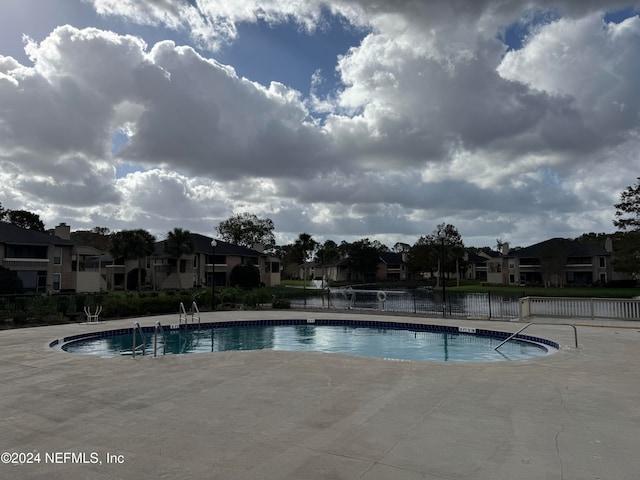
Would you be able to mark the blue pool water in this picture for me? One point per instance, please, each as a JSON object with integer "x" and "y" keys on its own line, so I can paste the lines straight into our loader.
{"x": 371, "y": 341}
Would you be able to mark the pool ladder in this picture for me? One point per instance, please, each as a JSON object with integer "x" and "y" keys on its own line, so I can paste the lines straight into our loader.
{"x": 193, "y": 312}
{"x": 158, "y": 329}
{"x": 134, "y": 343}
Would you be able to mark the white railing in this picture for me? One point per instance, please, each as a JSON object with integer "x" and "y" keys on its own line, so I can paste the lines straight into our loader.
{"x": 572, "y": 307}
{"x": 26, "y": 263}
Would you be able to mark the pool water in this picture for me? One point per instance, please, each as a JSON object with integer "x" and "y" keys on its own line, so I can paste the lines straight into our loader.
{"x": 389, "y": 343}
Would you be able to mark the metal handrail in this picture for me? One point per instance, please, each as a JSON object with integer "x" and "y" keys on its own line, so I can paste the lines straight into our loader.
{"x": 134, "y": 346}
{"x": 182, "y": 312}
{"x": 193, "y": 311}
{"x": 575, "y": 332}
{"x": 155, "y": 340}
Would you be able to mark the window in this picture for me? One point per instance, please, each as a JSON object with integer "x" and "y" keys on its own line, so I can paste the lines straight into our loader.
{"x": 57, "y": 255}
{"x": 603, "y": 262}
{"x": 195, "y": 261}
{"x": 183, "y": 266}
{"x": 56, "y": 281}
{"x": 26, "y": 251}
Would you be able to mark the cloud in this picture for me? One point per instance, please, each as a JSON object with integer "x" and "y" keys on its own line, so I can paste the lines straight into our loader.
{"x": 435, "y": 120}
{"x": 589, "y": 61}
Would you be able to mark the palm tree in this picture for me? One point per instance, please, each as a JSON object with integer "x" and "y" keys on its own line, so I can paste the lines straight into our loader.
{"x": 130, "y": 245}
{"x": 179, "y": 242}
{"x": 306, "y": 244}
{"x": 142, "y": 245}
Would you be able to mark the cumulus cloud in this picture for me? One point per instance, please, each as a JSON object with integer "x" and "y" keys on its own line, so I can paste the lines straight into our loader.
{"x": 435, "y": 119}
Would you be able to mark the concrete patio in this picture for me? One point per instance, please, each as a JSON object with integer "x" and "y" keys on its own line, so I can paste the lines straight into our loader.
{"x": 574, "y": 415}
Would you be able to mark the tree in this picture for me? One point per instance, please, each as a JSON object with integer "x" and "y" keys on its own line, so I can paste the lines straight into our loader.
{"x": 327, "y": 253}
{"x": 628, "y": 210}
{"x": 627, "y": 258}
{"x": 553, "y": 262}
{"x": 426, "y": 253}
{"x": 179, "y": 242}
{"x": 246, "y": 229}
{"x": 98, "y": 238}
{"x": 289, "y": 264}
{"x": 10, "y": 282}
{"x": 424, "y": 256}
{"x": 363, "y": 259}
{"x": 305, "y": 244}
{"x": 594, "y": 239}
{"x": 627, "y": 252}
{"x": 130, "y": 245}
{"x": 25, "y": 219}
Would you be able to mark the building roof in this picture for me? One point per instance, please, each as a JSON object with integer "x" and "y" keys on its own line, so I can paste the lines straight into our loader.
{"x": 391, "y": 258}
{"x": 14, "y": 235}
{"x": 202, "y": 244}
{"x": 572, "y": 248}
{"x": 475, "y": 258}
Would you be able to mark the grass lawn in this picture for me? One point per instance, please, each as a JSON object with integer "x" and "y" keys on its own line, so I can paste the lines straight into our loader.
{"x": 597, "y": 292}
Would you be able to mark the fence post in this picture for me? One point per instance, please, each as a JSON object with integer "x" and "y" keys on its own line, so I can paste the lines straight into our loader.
{"x": 525, "y": 308}
{"x": 489, "y": 296}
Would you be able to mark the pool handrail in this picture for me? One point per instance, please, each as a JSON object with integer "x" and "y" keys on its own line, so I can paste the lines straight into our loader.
{"x": 155, "y": 340}
{"x": 193, "y": 311}
{"x": 181, "y": 313}
{"x": 134, "y": 347}
{"x": 575, "y": 332}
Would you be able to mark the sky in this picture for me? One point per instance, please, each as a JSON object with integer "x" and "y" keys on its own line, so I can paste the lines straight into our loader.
{"x": 348, "y": 119}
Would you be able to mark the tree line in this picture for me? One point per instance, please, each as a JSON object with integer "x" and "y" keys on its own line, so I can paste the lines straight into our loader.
{"x": 444, "y": 244}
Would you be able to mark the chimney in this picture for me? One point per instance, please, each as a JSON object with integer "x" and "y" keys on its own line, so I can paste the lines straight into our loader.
{"x": 505, "y": 249}
{"x": 608, "y": 245}
{"x": 258, "y": 247}
{"x": 63, "y": 231}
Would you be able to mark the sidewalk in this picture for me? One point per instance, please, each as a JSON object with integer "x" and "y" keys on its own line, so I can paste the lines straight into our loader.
{"x": 574, "y": 415}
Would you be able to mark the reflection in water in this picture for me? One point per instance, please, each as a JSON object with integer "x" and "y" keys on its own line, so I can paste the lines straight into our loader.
{"x": 482, "y": 304}
{"x": 360, "y": 341}
{"x": 305, "y": 334}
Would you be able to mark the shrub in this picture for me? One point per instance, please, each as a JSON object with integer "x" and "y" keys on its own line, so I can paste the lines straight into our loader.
{"x": 281, "y": 303}
{"x": 10, "y": 282}
{"x": 245, "y": 276}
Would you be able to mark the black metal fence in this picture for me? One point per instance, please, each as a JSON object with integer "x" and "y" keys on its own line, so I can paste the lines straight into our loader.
{"x": 427, "y": 302}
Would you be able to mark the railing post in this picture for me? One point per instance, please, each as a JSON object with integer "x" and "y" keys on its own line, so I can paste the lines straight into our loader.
{"x": 155, "y": 343}
{"x": 489, "y": 296}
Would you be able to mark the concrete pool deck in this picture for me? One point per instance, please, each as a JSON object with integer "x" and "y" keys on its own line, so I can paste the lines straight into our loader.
{"x": 574, "y": 415}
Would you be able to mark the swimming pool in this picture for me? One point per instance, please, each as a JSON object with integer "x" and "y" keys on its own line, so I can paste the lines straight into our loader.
{"x": 390, "y": 340}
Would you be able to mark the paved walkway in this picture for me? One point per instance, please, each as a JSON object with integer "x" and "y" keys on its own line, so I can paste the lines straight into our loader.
{"x": 266, "y": 415}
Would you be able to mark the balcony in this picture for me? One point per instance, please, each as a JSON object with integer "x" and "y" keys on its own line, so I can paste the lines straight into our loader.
{"x": 26, "y": 263}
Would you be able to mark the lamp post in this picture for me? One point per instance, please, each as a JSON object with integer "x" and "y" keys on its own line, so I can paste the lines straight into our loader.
{"x": 442, "y": 236}
{"x": 213, "y": 275}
